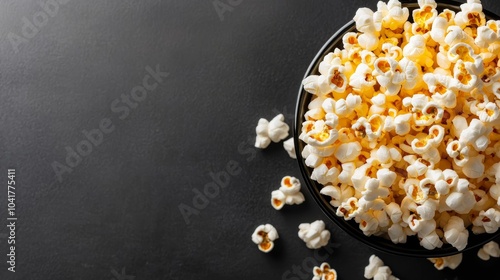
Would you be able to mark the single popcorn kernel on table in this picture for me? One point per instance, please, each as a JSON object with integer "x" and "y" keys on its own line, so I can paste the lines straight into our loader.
{"x": 324, "y": 272}
{"x": 314, "y": 235}
{"x": 267, "y": 131}
{"x": 288, "y": 193}
{"x": 264, "y": 236}
{"x": 403, "y": 127}
{"x": 377, "y": 270}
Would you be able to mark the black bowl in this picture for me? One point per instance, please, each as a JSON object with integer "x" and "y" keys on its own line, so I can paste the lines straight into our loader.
{"x": 411, "y": 248}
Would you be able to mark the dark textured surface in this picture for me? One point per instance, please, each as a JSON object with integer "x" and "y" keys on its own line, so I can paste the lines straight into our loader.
{"x": 116, "y": 215}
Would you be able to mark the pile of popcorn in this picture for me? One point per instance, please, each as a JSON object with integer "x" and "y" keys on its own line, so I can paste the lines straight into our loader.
{"x": 403, "y": 126}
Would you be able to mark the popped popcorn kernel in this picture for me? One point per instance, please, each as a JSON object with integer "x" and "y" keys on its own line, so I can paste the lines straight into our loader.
{"x": 451, "y": 262}
{"x": 264, "y": 236}
{"x": 403, "y": 128}
{"x": 490, "y": 249}
{"x": 267, "y": 131}
{"x": 288, "y": 193}
{"x": 314, "y": 235}
{"x": 377, "y": 270}
{"x": 324, "y": 272}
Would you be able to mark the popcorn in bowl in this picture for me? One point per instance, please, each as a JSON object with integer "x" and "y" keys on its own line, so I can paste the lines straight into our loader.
{"x": 403, "y": 123}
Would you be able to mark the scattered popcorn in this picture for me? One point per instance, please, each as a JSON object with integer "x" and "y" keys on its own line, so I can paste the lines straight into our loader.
{"x": 377, "y": 270}
{"x": 451, "y": 262}
{"x": 324, "y": 272}
{"x": 267, "y": 131}
{"x": 402, "y": 130}
{"x": 264, "y": 236}
{"x": 490, "y": 249}
{"x": 290, "y": 148}
{"x": 288, "y": 193}
{"x": 314, "y": 235}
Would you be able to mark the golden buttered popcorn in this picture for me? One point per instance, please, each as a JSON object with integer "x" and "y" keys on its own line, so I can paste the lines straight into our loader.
{"x": 403, "y": 128}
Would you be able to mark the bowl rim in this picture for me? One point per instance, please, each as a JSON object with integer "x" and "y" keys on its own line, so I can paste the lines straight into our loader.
{"x": 350, "y": 227}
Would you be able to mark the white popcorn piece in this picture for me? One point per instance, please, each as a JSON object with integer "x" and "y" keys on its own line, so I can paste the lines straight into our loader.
{"x": 296, "y": 198}
{"x": 317, "y": 85}
{"x": 338, "y": 194}
{"x": 455, "y": 233}
{"x": 368, "y": 224}
{"x": 314, "y": 234}
{"x": 264, "y": 236}
{"x": 394, "y": 212}
{"x": 461, "y": 200}
{"x": 278, "y": 199}
{"x": 471, "y": 14}
{"x": 336, "y": 77}
{"x": 347, "y": 152}
{"x": 348, "y": 209}
{"x": 290, "y": 185}
{"x": 486, "y": 35}
{"x": 372, "y": 267}
{"x": 369, "y": 128}
{"x": 490, "y": 249}
{"x": 466, "y": 79}
{"x": 476, "y": 135}
{"x": 416, "y": 51}
{"x": 438, "y": 29}
{"x": 390, "y": 15}
{"x": 364, "y": 20}
{"x": 490, "y": 114}
{"x": 324, "y": 272}
{"x": 325, "y": 173}
{"x": 389, "y": 75}
{"x": 402, "y": 124}
{"x": 488, "y": 220}
{"x": 347, "y": 172}
{"x": 443, "y": 89}
{"x": 319, "y": 134}
{"x": 377, "y": 270}
{"x": 262, "y": 139}
{"x": 289, "y": 147}
{"x": 267, "y": 131}
{"x": 277, "y": 128}
{"x": 412, "y": 73}
{"x": 431, "y": 241}
{"x": 288, "y": 193}
{"x": 374, "y": 190}
{"x": 362, "y": 80}
{"x": 397, "y": 234}
{"x": 451, "y": 262}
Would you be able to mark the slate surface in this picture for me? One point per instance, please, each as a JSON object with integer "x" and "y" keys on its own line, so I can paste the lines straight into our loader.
{"x": 114, "y": 212}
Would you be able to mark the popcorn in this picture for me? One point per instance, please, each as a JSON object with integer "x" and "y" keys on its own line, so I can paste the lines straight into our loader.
{"x": 377, "y": 270}
{"x": 487, "y": 221}
{"x": 402, "y": 127}
{"x": 289, "y": 147}
{"x": 490, "y": 249}
{"x": 388, "y": 74}
{"x": 314, "y": 235}
{"x": 451, "y": 262}
{"x": 461, "y": 200}
{"x": 288, "y": 193}
{"x": 278, "y": 199}
{"x": 455, "y": 233}
{"x": 390, "y": 15}
{"x": 324, "y": 272}
{"x": 338, "y": 194}
{"x": 264, "y": 236}
{"x": 267, "y": 131}
{"x": 471, "y": 14}
{"x": 325, "y": 173}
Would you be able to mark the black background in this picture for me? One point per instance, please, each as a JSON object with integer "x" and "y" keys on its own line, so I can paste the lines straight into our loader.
{"x": 116, "y": 215}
